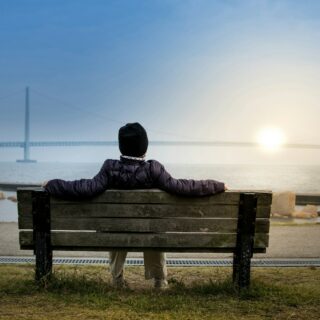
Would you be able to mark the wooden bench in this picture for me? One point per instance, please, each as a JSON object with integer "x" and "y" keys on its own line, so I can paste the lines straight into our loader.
{"x": 139, "y": 220}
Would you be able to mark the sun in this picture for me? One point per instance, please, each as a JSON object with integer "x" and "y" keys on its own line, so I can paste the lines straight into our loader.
{"x": 271, "y": 139}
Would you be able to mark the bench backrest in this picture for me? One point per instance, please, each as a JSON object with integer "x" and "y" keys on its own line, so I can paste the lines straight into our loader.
{"x": 136, "y": 220}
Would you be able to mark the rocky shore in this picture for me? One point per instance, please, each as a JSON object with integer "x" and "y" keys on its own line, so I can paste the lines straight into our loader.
{"x": 4, "y": 197}
{"x": 284, "y": 206}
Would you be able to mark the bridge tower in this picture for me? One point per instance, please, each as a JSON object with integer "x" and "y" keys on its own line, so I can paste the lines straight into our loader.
{"x": 26, "y": 144}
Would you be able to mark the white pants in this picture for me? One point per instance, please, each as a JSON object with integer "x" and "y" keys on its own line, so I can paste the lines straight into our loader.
{"x": 154, "y": 263}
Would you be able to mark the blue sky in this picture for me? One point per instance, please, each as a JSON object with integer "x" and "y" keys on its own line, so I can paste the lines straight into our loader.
{"x": 203, "y": 70}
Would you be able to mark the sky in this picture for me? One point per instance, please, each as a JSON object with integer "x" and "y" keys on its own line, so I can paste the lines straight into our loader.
{"x": 186, "y": 70}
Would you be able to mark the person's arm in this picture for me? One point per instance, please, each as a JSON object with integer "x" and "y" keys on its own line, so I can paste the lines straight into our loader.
{"x": 187, "y": 187}
{"x": 79, "y": 189}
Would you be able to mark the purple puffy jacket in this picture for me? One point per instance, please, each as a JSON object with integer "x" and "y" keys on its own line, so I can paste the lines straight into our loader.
{"x": 132, "y": 174}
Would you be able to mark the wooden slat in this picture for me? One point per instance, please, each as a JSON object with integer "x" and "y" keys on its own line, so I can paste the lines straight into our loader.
{"x": 157, "y": 196}
{"x": 24, "y": 194}
{"x": 174, "y": 241}
{"x": 143, "y": 210}
{"x": 152, "y": 196}
{"x": 84, "y": 210}
{"x": 264, "y": 198}
{"x": 148, "y": 225}
{"x": 263, "y": 212}
{"x": 133, "y": 249}
{"x": 24, "y": 206}
{"x": 150, "y": 210}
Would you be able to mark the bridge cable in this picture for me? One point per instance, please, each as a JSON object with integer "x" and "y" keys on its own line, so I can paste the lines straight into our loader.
{"x": 100, "y": 116}
{"x": 9, "y": 95}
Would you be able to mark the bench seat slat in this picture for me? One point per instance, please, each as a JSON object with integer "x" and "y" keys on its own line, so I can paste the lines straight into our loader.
{"x": 139, "y": 240}
{"x": 221, "y": 225}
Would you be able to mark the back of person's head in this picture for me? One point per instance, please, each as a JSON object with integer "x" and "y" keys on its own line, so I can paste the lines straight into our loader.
{"x": 133, "y": 140}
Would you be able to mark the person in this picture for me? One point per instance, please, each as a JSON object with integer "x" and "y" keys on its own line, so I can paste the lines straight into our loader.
{"x": 132, "y": 171}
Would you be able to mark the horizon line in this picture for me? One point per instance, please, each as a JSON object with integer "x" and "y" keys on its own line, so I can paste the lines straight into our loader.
{"x": 21, "y": 144}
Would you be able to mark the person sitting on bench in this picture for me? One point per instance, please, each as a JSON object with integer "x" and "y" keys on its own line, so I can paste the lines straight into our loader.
{"x": 132, "y": 171}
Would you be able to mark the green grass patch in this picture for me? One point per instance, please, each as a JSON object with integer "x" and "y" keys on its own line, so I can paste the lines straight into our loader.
{"x": 85, "y": 292}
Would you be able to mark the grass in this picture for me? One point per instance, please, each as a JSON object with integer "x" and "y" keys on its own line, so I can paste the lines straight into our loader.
{"x": 84, "y": 292}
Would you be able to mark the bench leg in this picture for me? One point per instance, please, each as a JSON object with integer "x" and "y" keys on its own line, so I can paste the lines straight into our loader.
{"x": 241, "y": 270}
{"x": 43, "y": 255}
{"x": 245, "y": 240}
{"x": 41, "y": 234}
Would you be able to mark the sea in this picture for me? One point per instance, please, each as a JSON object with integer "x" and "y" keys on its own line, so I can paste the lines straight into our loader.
{"x": 296, "y": 178}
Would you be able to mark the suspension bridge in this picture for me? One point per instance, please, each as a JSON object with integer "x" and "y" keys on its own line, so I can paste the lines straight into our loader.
{"x": 26, "y": 144}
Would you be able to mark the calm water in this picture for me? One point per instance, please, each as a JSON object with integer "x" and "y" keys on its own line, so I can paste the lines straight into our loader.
{"x": 255, "y": 177}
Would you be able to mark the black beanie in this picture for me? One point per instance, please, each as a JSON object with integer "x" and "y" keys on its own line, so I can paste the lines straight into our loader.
{"x": 133, "y": 140}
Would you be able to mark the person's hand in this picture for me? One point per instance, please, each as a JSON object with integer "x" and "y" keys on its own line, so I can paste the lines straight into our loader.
{"x": 44, "y": 184}
{"x": 225, "y": 188}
